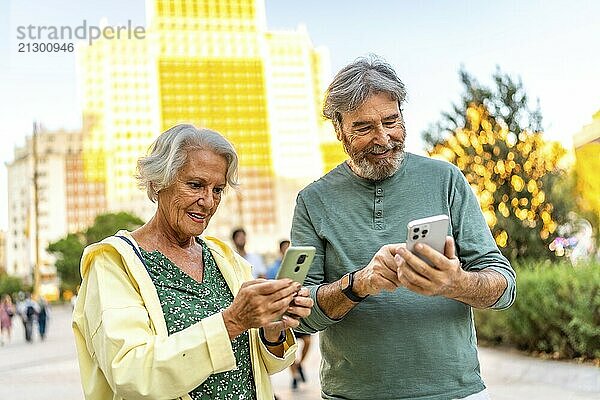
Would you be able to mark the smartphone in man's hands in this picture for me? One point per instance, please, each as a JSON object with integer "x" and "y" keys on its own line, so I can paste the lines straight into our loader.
{"x": 296, "y": 263}
{"x": 431, "y": 231}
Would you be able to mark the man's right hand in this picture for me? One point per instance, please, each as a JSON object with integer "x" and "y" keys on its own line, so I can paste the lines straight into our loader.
{"x": 380, "y": 274}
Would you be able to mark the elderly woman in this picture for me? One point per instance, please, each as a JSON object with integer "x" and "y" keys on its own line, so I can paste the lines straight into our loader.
{"x": 164, "y": 313}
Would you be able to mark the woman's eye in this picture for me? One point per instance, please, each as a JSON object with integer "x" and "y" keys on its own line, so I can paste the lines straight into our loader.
{"x": 218, "y": 190}
{"x": 195, "y": 185}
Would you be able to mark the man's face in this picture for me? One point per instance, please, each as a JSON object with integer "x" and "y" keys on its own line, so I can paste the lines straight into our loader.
{"x": 240, "y": 239}
{"x": 283, "y": 248}
{"x": 373, "y": 136}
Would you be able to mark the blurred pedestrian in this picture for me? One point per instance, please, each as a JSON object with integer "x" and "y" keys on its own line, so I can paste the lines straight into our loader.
{"x": 272, "y": 270}
{"x": 7, "y": 311}
{"x": 42, "y": 317}
{"x": 28, "y": 310}
{"x": 259, "y": 270}
{"x": 297, "y": 370}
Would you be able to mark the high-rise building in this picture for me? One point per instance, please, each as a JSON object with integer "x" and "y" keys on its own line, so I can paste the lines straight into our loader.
{"x": 212, "y": 63}
{"x": 589, "y": 134}
{"x": 587, "y": 164}
{"x": 66, "y": 201}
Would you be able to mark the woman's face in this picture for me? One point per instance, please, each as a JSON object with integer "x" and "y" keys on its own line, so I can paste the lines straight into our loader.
{"x": 188, "y": 204}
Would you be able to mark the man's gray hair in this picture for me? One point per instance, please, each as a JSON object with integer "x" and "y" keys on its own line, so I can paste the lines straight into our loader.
{"x": 169, "y": 153}
{"x": 356, "y": 82}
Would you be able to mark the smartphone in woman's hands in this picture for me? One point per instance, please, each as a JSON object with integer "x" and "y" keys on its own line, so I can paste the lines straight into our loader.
{"x": 296, "y": 263}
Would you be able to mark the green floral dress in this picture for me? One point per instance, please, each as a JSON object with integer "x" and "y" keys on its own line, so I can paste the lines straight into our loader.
{"x": 185, "y": 301}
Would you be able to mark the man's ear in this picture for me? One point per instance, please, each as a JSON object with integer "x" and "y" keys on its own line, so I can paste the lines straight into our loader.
{"x": 337, "y": 127}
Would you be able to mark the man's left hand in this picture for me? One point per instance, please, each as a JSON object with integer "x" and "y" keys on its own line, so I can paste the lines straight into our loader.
{"x": 443, "y": 279}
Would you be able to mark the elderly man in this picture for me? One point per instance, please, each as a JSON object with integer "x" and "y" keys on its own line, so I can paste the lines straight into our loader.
{"x": 393, "y": 327}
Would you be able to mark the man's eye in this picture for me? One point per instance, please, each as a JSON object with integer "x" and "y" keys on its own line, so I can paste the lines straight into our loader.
{"x": 195, "y": 185}
{"x": 390, "y": 124}
{"x": 218, "y": 190}
{"x": 363, "y": 129}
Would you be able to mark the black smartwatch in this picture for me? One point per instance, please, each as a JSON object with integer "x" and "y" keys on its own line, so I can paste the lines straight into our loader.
{"x": 280, "y": 341}
{"x": 347, "y": 282}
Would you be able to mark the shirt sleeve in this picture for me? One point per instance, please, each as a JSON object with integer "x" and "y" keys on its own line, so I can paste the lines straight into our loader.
{"x": 135, "y": 361}
{"x": 477, "y": 249}
{"x": 305, "y": 234}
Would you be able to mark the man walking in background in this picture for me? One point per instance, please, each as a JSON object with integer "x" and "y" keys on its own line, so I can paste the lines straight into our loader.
{"x": 258, "y": 266}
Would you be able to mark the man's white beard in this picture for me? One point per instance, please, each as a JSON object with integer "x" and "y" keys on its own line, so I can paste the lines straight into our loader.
{"x": 377, "y": 170}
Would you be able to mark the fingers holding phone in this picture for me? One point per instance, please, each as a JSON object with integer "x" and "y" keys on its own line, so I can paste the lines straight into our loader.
{"x": 429, "y": 265}
{"x": 257, "y": 303}
{"x": 379, "y": 274}
{"x": 301, "y": 305}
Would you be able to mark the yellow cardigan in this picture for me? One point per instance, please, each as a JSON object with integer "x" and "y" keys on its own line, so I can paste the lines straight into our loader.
{"x": 123, "y": 346}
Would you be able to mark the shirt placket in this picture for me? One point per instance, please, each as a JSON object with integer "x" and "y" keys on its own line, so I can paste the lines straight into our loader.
{"x": 378, "y": 209}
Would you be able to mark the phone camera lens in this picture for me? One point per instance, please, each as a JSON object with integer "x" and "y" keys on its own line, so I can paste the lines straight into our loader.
{"x": 425, "y": 231}
{"x": 415, "y": 237}
{"x": 301, "y": 259}
{"x": 416, "y": 230}
{"x": 297, "y": 268}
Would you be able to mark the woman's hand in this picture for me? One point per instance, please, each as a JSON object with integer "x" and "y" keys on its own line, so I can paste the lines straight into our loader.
{"x": 260, "y": 302}
{"x": 299, "y": 308}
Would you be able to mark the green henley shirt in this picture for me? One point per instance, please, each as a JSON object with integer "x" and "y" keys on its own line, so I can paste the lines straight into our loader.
{"x": 398, "y": 345}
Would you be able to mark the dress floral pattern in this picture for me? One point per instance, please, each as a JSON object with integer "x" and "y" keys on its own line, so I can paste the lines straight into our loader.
{"x": 185, "y": 302}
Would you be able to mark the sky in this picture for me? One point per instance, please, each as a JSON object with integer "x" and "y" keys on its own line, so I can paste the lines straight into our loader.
{"x": 551, "y": 45}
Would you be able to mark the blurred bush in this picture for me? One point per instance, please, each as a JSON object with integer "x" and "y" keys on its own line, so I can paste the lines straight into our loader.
{"x": 557, "y": 310}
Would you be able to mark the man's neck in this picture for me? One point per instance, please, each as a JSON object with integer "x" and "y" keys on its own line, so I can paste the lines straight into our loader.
{"x": 241, "y": 251}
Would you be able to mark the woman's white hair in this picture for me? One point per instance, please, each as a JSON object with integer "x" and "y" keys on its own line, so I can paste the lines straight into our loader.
{"x": 168, "y": 155}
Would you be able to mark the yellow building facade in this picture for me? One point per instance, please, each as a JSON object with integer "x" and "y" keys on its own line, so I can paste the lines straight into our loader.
{"x": 587, "y": 164}
{"x": 214, "y": 64}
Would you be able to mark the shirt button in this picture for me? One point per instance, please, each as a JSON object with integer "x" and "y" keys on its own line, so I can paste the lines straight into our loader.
{"x": 379, "y": 191}
{"x": 378, "y": 213}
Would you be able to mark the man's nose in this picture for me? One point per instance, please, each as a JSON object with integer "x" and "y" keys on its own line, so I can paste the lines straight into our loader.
{"x": 381, "y": 135}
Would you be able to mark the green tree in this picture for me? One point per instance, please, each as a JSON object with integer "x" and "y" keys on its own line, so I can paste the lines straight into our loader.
{"x": 10, "y": 284}
{"x": 496, "y": 140}
{"x": 69, "y": 249}
{"x": 106, "y": 225}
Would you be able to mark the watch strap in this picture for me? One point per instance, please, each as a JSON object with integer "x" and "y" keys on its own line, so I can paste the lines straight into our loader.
{"x": 349, "y": 292}
{"x": 280, "y": 341}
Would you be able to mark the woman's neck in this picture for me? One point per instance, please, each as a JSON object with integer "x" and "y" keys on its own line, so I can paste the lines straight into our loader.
{"x": 159, "y": 234}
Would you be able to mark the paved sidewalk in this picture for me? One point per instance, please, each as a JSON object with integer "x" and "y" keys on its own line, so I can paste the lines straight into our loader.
{"x": 48, "y": 371}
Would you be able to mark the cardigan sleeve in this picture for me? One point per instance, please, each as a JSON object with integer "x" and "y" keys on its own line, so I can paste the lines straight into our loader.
{"x": 274, "y": 364}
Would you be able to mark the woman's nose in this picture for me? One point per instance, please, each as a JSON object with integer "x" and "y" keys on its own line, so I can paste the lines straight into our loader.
{"x": 206, "y": 199}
